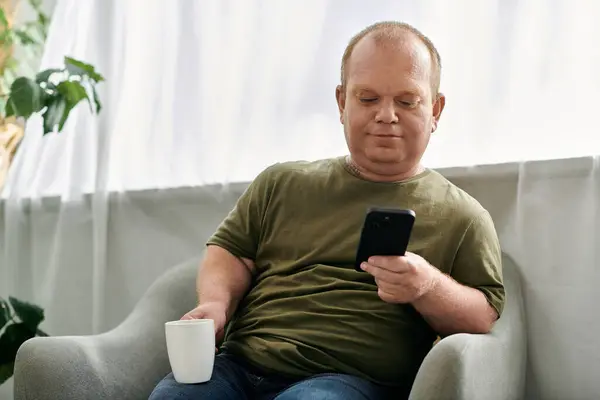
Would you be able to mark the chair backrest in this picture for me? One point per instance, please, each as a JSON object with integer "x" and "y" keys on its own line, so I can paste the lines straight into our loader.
{"x": 174, "y": 292}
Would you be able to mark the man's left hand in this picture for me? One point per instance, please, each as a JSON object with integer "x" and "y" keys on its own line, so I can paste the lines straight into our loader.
{"x": 402, "y": 279}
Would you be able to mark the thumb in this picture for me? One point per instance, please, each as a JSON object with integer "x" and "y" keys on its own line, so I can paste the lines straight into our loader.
{"x": 194, "y": 314}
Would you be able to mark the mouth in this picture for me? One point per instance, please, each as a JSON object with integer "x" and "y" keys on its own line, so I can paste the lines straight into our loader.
{"x": 385, "y": 135}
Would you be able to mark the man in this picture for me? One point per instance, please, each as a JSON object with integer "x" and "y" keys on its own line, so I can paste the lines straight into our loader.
{"x": 302, "y": 323}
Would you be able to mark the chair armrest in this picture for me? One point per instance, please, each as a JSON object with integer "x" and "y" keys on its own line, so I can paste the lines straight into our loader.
{"x": 124, "y": 363}
{"x": 490, "y": 366}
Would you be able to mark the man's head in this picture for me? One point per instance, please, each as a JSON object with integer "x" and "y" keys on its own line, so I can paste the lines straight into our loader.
{"x": 388, "y": 98}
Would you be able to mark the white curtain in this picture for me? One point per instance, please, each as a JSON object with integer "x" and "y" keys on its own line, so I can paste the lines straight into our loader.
{"x": 200, "y": 95}
{"x": 213, "y": 91}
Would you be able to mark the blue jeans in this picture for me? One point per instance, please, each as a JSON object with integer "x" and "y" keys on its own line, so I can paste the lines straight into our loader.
{"x": 232, "y": 380}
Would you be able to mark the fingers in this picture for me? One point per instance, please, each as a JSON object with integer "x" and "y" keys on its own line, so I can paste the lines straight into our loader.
{"x": 194, "y": 314}
{"x": 385, "y": 296}
{"x": 386, "y": 286}
{"x": 397, "y": 264}
{"x": 382, "y": 274}
{"x": 189, "y": 316}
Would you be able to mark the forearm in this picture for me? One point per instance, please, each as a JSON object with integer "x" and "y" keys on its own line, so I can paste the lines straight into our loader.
{"x": 223, "y": 278}
{"x": 450, "y": 307}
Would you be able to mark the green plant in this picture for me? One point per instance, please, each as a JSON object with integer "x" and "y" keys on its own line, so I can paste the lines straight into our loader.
{"x": 19, "y": 321}
{"x": 54, "y": 93}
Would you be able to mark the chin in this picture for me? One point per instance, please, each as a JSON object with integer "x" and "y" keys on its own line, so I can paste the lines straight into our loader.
{"x": 386, "y": 156}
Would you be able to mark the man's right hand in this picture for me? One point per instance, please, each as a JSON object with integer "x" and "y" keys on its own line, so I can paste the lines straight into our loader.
{"x": 215, "y": 311}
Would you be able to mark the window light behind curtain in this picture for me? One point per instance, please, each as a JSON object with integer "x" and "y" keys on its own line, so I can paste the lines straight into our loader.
{"x": 214, "y": 91}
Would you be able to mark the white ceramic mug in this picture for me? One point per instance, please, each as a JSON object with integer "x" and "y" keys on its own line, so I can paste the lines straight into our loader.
{"x": 191, "y": 348}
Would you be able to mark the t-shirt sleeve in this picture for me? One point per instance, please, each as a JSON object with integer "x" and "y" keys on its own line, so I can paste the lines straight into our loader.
{"x": 240, "y": 232}
{"x": 478, "y": 262}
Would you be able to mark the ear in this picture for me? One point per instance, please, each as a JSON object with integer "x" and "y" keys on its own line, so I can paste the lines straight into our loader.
{"x": 340, "y": 97}
{"x": 438, "y": 107}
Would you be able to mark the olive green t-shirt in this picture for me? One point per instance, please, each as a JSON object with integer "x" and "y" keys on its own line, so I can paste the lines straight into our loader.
{"x": 308, "y": 311}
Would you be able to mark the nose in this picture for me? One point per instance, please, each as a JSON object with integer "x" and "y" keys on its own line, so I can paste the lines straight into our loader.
{"x": 386, "y": 114}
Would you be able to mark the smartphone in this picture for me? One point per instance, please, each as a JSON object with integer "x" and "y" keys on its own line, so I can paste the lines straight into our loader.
{"x": 385, "y": 232}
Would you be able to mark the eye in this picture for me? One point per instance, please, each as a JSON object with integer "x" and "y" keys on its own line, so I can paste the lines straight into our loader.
{"x": 409, "y": 104}
{"x": 368, "y": 99}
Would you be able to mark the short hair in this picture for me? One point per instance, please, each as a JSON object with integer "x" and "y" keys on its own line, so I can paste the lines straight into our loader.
{"x": 391, "y": 30}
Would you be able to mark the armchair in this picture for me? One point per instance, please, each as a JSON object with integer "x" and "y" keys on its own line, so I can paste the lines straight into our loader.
{"x": 128, "y": 361}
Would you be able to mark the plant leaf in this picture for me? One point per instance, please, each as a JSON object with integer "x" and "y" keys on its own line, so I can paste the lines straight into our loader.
{"x": 26, "y": 97}
{"x": 73, "y": 91}
{"x": 8, "y": 110}
{"x": 6, "y": 39}
{"x": 76, "y": 67}
{"x": 54, "y": 113}
{"x": 42, "y": 333}
{"x": 29, "y": 314}
{"x": 4, "y": 313}
{"x": 44, "y": 22}
{"x": 44, "y": 75}
{"x": 96, "y": 99}
{"x": 64, "y": 117}
{"x": 36, "y": 4}
{"x": 24, "y": 37}
{"x": 3, "y": 19}
{"x": 13, "y": 337}
{"x": 6, "y": 371}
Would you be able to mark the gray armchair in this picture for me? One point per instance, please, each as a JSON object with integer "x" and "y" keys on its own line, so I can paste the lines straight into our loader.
{"x": 128, "y": 361}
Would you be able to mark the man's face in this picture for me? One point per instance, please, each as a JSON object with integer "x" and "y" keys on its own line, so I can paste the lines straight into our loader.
{"x": 387, "y": 107}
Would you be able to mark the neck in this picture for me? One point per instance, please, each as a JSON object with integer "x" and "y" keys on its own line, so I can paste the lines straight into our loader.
{"x": 374, "y": 176}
